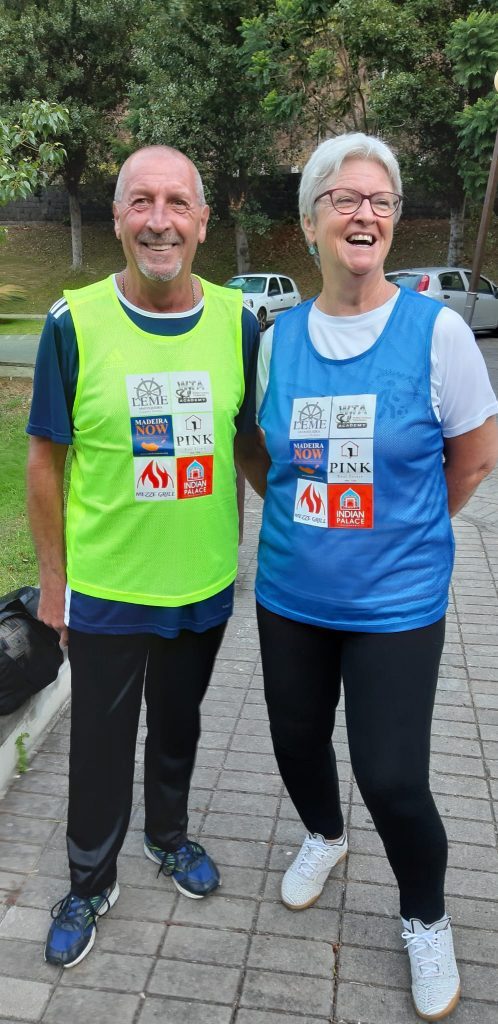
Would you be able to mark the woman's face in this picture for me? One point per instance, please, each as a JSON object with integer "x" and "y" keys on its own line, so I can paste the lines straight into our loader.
{"x": 359, "y": 242}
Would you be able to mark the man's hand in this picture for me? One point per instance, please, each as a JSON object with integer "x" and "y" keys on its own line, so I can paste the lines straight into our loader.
{"x": 252, "y": 458}
{"x": 51, "y": 606}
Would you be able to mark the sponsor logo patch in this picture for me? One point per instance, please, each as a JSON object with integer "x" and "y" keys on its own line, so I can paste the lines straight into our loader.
{"x": 350, "y": 461}
{"x": 310, "y": 418}
{"x": 309, "y": 456}
{"x": 353, "y": 414}
{"x": 195, "y": 476}
{"x": 191, "y": 392}
{"x": 152, "y": 434}
{"x": 193, "y": 433}
{"x": 350, "y": 507}
{"x": 148, "y": 393}
{"x": 155, "y": 479}
{"x": 310, "y": 506}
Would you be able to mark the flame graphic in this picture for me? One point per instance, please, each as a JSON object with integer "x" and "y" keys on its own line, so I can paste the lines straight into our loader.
{"x": 312, "y": 499}
{"x": 155, "y": 475}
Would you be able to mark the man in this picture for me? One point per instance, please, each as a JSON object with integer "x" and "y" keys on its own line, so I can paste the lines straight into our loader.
{"x": 149, "y": 374}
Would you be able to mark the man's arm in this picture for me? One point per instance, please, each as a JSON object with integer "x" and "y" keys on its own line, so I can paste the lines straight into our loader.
{"x": 45, "y": 487}
{"x": 468, "y": 460}
{"x": 252, "y": 458}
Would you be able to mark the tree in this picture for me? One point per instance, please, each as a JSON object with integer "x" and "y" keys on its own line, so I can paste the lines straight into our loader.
{"x": 73, "y": 52}
{"x": 194, "y": 95}
{"x": 374, "y": 65}
{"x": 29, "y": 155}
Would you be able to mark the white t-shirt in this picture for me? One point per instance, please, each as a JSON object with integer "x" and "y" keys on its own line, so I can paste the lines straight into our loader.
{"x": 462, "y": 396}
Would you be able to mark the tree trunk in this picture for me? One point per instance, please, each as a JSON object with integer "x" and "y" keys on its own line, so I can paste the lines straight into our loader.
{"x": 457, "y": 227}
{"x": 76, "y": 240}
{"x": 242, "y": 249}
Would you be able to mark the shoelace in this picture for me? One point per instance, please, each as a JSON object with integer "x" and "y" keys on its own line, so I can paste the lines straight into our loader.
{"x": 73, "y": 907}
{"x": 311, "y": 859}
{"x": 420, "y": 945}
{"x": 187, "y": 857}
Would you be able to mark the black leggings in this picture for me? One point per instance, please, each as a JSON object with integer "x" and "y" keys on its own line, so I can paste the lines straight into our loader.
{"x": 389, "y": 688}
{"x": 107, "y": 681}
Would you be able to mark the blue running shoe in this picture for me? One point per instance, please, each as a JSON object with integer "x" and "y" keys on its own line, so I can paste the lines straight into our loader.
{"x": 72, "y": 933}
{"x": 190, "y": 868}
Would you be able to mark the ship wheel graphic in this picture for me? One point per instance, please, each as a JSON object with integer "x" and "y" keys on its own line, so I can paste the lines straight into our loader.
{"x": 310, "y": 411}
{"x": 148, "y": 388}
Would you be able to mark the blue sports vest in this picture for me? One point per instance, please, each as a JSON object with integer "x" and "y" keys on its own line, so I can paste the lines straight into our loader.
{"x": 356, "y": 532}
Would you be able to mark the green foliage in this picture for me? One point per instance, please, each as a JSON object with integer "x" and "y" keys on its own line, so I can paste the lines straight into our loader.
{"x": 22, "y": 754}
{"x": 472, "y": 48}
{"x": 193, "y": 93}
{"x": 29, "y": 151}
{"x": 477, "y": 125}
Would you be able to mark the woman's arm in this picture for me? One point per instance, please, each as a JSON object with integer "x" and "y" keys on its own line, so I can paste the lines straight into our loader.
{"x": 469, "y": 458}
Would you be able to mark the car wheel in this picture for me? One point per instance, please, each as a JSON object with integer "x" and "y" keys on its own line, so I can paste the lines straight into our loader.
{"x": 262, "y": 319}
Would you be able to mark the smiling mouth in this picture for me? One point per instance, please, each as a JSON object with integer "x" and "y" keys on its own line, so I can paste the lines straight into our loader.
{"x": 360, "y": 240}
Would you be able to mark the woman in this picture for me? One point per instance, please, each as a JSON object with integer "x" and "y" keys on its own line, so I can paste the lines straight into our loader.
{"x": 368, "y": 388}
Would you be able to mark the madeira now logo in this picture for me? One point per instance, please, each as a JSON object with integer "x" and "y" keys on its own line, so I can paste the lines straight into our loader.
{"x": 152, "y": 434}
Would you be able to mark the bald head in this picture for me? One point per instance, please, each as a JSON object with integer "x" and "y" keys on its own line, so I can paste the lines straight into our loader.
{"x": 141, "y": 156}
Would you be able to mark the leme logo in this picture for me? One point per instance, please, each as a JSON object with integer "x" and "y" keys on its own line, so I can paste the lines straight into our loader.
{"x": 149, "y": 394}
{"x": 310, "y": 417}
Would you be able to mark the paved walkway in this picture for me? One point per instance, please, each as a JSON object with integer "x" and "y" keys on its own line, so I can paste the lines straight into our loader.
{"x": 240, "y": 957}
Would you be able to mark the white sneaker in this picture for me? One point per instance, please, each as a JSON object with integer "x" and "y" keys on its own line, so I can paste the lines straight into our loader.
{"x": 435, "y": 978}
{"x": 303, "y": 882}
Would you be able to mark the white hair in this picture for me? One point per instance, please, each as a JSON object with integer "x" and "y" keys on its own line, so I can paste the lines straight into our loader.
{"x": 120, "y": 183}
{"x": 325, "y": 163}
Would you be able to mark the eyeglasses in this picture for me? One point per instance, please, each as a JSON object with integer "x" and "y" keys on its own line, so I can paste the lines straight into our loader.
{"x": 348, "y": 200}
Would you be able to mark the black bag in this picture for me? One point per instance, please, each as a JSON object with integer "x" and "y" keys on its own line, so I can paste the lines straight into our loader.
{"x": 30, "y": 654}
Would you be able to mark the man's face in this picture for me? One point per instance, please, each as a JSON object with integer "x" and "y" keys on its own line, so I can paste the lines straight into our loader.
{"x": 159, "y": 219}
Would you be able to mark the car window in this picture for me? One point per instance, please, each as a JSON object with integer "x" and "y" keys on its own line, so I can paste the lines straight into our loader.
{"x": 273, "y": 287}
{"x": 484, "y": 286}
{"x": 287, "y": 285}
{"x": 451, "y": 280}
{"x": 404, "y": 280}
{"x": 248, "y": 284}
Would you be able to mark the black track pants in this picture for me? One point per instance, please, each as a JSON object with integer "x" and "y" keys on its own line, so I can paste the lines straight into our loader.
{"x": 389, "y": 687}
{"x": 107, "y": 680}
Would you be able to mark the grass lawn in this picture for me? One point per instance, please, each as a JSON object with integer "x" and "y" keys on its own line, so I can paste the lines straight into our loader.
{"x": 38, "y": 257}
{"x": 17, "y": 558}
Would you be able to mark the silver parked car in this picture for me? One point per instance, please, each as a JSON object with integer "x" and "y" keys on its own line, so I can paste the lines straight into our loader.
{"x": 266, "y": 294}
{"x": 450, "y": 285}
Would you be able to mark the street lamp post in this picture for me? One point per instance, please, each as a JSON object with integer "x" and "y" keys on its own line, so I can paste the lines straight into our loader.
{"x": 487, "y": 210}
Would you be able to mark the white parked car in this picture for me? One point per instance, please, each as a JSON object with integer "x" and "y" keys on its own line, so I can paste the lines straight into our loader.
{"x": 450, "y": 285}
{"x": 266, "y": 294}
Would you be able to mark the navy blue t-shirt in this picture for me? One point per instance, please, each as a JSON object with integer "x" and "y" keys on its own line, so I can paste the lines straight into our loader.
{"x": 54, "y": 388}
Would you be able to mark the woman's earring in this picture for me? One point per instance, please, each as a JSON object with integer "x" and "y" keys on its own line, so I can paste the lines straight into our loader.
{"x": 312, "y": 249}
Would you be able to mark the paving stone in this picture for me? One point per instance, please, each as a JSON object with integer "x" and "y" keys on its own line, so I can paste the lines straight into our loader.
{"x": 381, "y": 967}
{"x": 218, "y": 723}
{"x": 246, "y": 882}
{"x": 267, "y": 990}
{"x": 476, "y": 858}
{"x": 475, "y": 883}
{"x": 218, "y": 912}
{"x": 11, "y": 882}
{"x": 267, "y": 1017}
{"x": 476, "y": 945}
{"x": 44, "y": 782}
{"x": 316, "y": 923}
{"x": 371, "y": 932}
{"x": 78, "y": 1006}
{"x": 117, "y": 935}
{"x": 205, "y": 945}
{"x": 24, "y": 1000}
{"x": 239, "y": 853}
{"x": 458, "y": 785}
{"x": 479, "y": 981}
{"x": 252, "y": 782}
{"x": 290, "y": 954}
{"x": 200, "y": 981}
{"x": 251, "y": 762}
{"x": 118, "y": 971}
{"x": 136, "y": 904}
{"x": 15, "y": 856}
{"x": 174, "y": 1011}
{"x": 371, "y": 1005}
{"x": 367, "y": 898}
{"x": 34, "y": 805}
{"x": 22, "y": 958}
{"x": 245, "y": 803}
{"x": 237, "y": 826}
{"x": 24, "y": 923}
{"x": 370, "y": 869}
